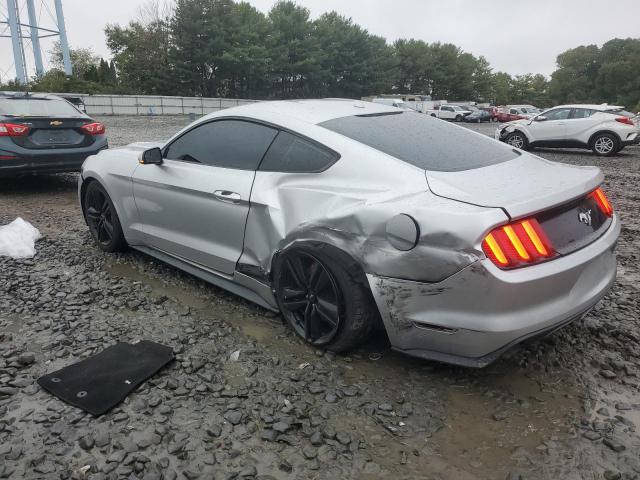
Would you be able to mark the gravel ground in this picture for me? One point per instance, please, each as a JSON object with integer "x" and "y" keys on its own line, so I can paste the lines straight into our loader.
{"x": 564, "y": 407}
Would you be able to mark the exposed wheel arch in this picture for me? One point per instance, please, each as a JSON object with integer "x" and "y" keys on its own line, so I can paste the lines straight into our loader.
{"x": 353, "y": 267}
{"x": 83, "y": 190}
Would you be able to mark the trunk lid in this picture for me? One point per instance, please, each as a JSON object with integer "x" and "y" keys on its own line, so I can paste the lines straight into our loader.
{"x": 523, "y": 186}
{"x": 51, "y": 133}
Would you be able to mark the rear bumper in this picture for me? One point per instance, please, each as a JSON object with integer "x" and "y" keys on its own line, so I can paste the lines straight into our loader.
{"x": 472, "y": 317}
{"x": 50, "y": 162}
{"x": 631, "y": 139}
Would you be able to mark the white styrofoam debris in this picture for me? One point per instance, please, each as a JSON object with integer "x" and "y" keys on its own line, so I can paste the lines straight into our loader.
{"x": 18, "y": 239}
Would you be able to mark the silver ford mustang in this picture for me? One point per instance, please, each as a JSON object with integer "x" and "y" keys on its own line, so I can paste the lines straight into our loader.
{"x": 341, "y": 214}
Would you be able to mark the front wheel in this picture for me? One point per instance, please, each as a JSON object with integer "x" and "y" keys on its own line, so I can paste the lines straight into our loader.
{"x": 517, "y": 139}
{"x": 102, "y": 218}
{"x": 605, "y": 145}
{"x": 321, "y": 301}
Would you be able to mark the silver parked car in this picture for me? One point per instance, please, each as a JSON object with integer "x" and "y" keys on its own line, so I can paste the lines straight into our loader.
{"x": 339, "y": 213}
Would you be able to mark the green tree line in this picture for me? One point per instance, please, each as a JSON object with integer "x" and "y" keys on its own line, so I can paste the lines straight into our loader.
{"x": 230, "y": 49}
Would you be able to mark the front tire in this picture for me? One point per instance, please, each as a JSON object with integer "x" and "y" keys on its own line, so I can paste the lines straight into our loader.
{"x": 321, "y": 300}
{"x": 102, "y": 219}
{"x": 517, "y": 139}
{"x": 605, "y": 144}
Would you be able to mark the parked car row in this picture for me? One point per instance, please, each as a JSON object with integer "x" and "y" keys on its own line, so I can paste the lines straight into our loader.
{"x": 605, "y": 129}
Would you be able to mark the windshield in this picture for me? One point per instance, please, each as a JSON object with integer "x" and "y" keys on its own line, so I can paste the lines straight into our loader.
{"x": 423, "y": 141}
{"x": 37, "y": 107}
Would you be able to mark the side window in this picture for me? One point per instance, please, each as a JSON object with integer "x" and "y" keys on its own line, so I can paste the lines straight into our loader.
{"x": 290, "y": 153}
{"x": 513, "y": 111}
{"x": 223, "y": 143}
{"x": 558, "y": 114}
{"x": 581, "y": 113}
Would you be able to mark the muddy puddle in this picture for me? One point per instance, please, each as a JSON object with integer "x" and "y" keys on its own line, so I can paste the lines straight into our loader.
{"x": 492, "y": 417}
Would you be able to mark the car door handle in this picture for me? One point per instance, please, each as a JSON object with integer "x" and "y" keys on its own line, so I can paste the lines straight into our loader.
{"x": 227, "y": 196}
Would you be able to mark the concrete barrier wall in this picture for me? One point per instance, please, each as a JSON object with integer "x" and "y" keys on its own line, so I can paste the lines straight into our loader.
{"x": 155, "y": 105}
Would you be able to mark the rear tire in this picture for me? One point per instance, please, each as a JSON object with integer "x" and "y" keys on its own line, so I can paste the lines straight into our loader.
{"x": 458, "y": 118}
{"x": 102, "y": 218}
{"x": 605, "y": 144}
{"x": 307, "y": 300}
{"x": 517, "y": 139}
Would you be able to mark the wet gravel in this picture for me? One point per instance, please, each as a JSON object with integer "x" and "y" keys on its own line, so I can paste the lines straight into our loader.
{"x": 246, "y": 399}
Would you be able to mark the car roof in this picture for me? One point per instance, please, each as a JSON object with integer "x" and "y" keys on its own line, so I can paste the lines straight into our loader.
{"x": 603, "y": 107}
{"x": 308, "y": 111}
{"x": 29, "y": 95}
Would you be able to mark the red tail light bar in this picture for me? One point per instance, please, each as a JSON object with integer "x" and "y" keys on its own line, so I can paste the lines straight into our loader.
{"x": 524, "y": 242}
{"x": 95, "y": 128}
{"x": 602, "y": 201}
{"x": 625, "y": 120}
{"x": 516, "y": 244}
{"x": 13, "y": 130}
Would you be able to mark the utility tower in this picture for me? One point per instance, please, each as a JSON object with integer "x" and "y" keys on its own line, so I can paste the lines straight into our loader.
{"x": 18, "y": 30}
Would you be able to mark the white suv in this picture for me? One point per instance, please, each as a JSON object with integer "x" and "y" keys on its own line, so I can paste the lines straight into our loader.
{"x": 605, "y": 129}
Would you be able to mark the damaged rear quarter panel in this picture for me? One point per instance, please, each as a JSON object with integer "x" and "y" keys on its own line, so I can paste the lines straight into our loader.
{"x": 349, "y": 205}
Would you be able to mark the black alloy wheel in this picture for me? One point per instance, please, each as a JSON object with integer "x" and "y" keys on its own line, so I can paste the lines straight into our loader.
{"x": 102, "y": 218}
{"x": 99, "y": 216}
{"x": 310, "y": 298}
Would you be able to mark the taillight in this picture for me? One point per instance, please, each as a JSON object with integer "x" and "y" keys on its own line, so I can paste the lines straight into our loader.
{"x": 13, "y": 130}
{"x": 517, "y": 244}
{"x": 95, "y": 128}
{"x": 625, "y": 120}
{"x": 602, "y": 201}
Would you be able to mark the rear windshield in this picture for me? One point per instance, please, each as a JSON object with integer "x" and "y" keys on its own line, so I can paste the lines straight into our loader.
{"x": 37, "y": 107}
{"x": 423, "y": 141}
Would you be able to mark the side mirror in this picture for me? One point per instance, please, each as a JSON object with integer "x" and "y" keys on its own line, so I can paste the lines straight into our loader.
{"x": 153, "y": 156}
{"x": 540, "y": 118}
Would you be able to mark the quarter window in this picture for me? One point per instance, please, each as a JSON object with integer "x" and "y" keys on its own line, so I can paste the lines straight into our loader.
{"x": 223, "y": 143}
{"x": 558, "y": 114}
{"x": 581, "y": 113}
{"x": 290, "y": 153}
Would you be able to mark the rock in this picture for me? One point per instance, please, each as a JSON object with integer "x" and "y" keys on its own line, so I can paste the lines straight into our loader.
{"x": 343, "y": 437}
{"x": 591, "y": 435}
{"x": 330, "y": 397}
{"x": 285, "y": 466}
{"x": 316, "y": 388}
{"x": 309, "y": 453}
{"x": 614, "y": 444}
{"x": 281, "y": 427}
{"x": 608, "y": 374}
{"x": 612, "y": 475}
{"x": 87, "y": 442}
{"x": 233, "y": 417}
{"x": 249, "y": 471}
{"x": 26, "y": 359}
{"x": 316, "y": 439}
{"x": 269, "y": 435}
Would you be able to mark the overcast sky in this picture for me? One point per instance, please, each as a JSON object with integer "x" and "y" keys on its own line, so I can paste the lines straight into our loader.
{"x": 516, "y": 36}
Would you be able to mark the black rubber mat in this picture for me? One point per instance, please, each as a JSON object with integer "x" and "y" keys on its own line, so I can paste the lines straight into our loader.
{"x": 101, "y": 382}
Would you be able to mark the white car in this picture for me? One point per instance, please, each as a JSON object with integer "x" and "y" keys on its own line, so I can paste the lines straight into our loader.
{"x": 449, "y": 112}
{"x": 605, "y": 129}
{"x": 393, "y": 102}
